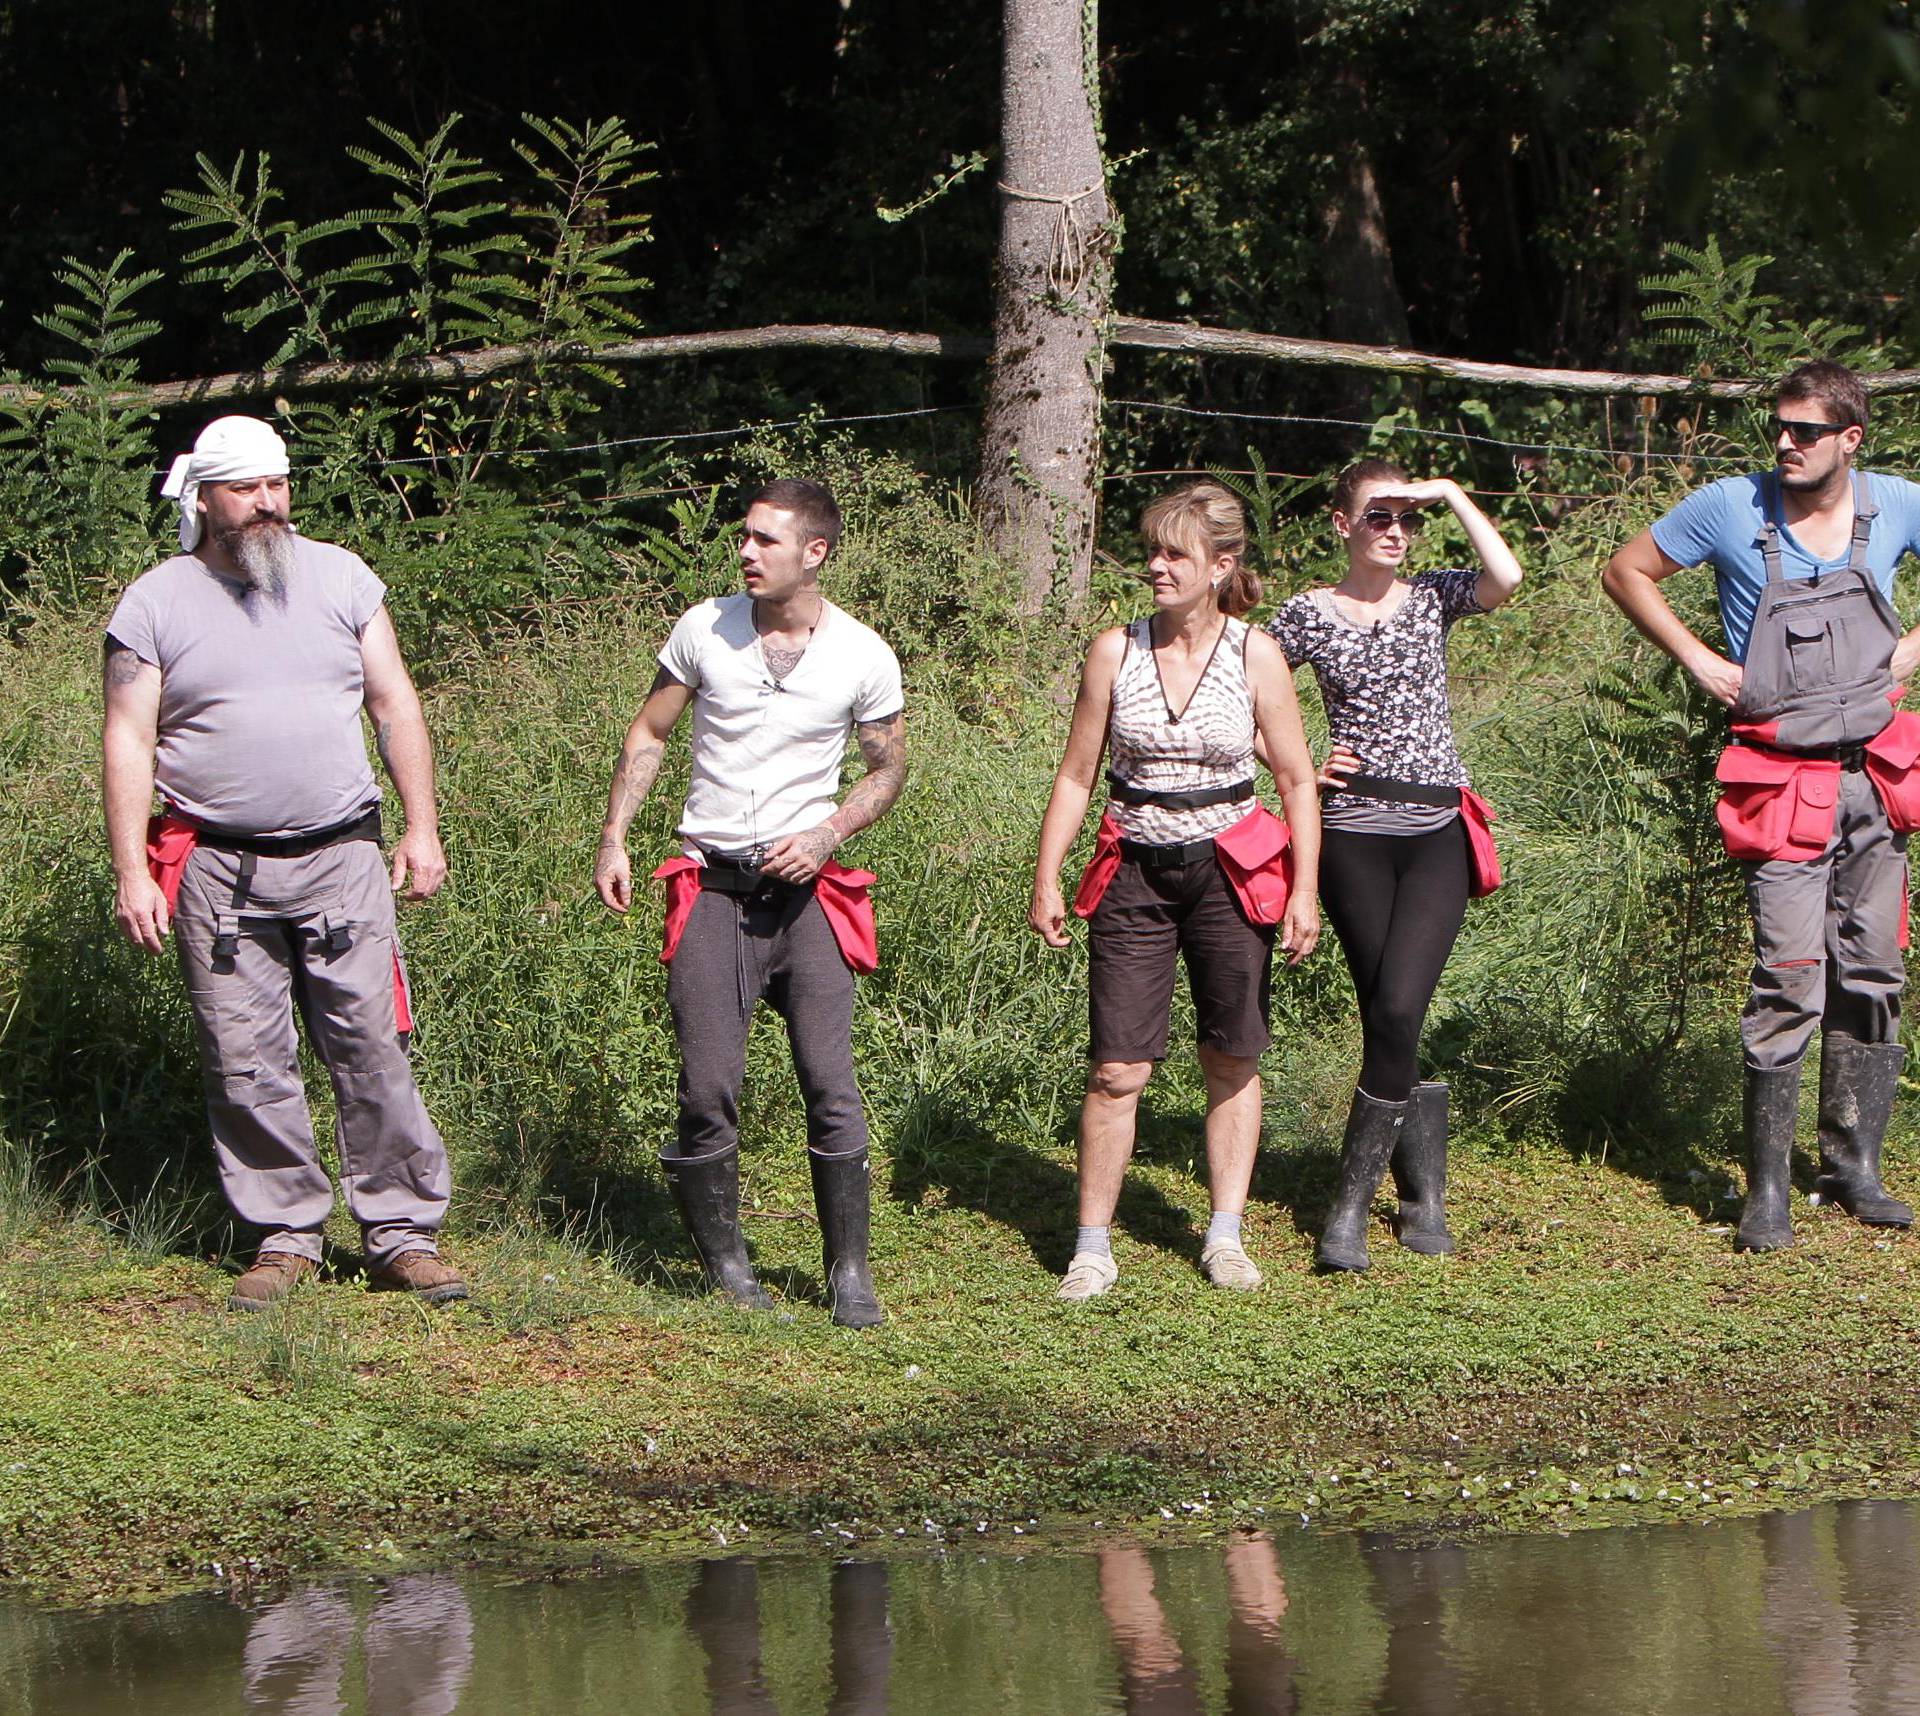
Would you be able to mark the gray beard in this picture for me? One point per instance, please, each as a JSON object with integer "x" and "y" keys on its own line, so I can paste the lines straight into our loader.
{"x": 263, "y": 553}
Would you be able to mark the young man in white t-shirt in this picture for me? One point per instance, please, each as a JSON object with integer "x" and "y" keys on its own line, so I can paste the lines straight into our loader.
{"x": 756, "y": 906}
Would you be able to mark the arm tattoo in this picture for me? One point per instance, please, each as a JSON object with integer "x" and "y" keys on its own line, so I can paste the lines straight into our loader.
{"x": 382, "y": 735}
{"x": 633, "y": 774}
{"x": 633, "y": 777}
{"x": 120, "y": 666}
{"x": 883, "y": 746}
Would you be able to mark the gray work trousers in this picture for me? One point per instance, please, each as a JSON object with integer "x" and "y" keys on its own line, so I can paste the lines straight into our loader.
{"x": 314, "y": 933}
{"x": 1826, "y": 935}
{"x": 735, "y": 951}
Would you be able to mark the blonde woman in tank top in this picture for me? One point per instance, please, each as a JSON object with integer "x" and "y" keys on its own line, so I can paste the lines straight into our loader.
{"x": 1188, "y": 866}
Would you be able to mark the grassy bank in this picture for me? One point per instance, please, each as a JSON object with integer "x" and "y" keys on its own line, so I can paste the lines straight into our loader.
{"x": 1594, "y": 1352}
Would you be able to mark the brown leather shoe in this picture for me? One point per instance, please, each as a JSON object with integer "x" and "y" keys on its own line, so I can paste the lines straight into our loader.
{"x": 422, "y": 1273}
{"x": 271, "y": 1279}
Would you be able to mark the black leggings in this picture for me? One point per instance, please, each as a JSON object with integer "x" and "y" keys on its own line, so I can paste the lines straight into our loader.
{"x": 1397, "y": 902}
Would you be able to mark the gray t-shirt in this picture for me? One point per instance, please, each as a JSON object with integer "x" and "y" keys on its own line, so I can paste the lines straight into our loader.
{"x": 259, "y": 699}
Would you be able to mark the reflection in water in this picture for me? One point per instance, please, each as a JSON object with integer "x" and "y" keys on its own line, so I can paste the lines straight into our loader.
{"x": 1410, "y": 1590}
{"x": 417, "y": 1647}
{"x": 1155, "y": 1676}
{"x": 1810, "y": 1614}
{"x": 723, "y": 1613}
{"x": 1842, "y": 1591}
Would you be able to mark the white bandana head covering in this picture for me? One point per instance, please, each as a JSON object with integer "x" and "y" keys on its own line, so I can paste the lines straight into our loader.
{"x": 230, "y": 450}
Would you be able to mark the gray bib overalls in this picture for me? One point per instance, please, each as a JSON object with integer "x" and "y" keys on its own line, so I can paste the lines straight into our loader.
{"x": 1826, "y": 930}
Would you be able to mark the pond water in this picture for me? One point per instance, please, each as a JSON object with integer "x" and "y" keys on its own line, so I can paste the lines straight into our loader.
{"x": 1813, "y": 1612}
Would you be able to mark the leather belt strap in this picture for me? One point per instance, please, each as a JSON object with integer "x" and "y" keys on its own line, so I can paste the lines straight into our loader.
{"x": 1200, "y": 798}
{"x": 1851, "y": 758}
{"x": 1401, "y": 792}
{"x": 741, "y": 877}
{"x": 1165, "y": 857}
{"x": 363, "y": 825}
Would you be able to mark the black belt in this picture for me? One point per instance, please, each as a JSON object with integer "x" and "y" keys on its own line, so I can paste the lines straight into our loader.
{"x": 1851, "y": 758}
{"x": 365, "y": 825}
{"x": 1165, "y": 857}
{"x": 1401, "y": 792}
{"x": 362, "y": 825}
{"x": 742, "y": 877}
{"x": 1201, "y": 798}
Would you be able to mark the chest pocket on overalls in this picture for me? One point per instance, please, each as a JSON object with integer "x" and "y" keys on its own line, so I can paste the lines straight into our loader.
{"x": 1810, "y": 654}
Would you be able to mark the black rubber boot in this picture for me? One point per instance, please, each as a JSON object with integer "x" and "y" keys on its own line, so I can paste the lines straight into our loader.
{"x": 840, "y": 1194}
{"x": 707, "y": 1191}
{"x": 1372, "y": 1128}
{"x": 1858, "y": 1082}
{"x": 1770, "y": 1107}
{"x": 1420, "y": 1173}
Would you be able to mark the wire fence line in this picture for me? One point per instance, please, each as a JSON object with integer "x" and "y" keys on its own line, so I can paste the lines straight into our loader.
{"x": 1436, "y": 434}
{"x": 1291, "y": 419}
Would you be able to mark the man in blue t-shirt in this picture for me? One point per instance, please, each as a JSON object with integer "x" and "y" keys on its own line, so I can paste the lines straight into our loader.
{"x": 1808, "y": 677}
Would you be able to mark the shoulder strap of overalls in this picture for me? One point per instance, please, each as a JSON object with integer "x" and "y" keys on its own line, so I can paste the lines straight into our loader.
{"x": 1770, "y": 493}
{"x": 1864, "y": 513}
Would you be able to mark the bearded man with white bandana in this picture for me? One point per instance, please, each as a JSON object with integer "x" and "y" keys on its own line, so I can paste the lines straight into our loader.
{"x": 236, "y": 673}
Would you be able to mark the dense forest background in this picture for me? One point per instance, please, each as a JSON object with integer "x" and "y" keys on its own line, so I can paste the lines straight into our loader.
{"x": 1470, "y": 177}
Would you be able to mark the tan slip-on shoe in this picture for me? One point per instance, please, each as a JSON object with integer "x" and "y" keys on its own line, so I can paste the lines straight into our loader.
{"x": 1088, "y": 1275}
{"x": 1227, "y": 1265}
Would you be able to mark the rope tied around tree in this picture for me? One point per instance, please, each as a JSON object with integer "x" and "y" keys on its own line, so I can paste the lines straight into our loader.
{"x": 1071, "y": 245}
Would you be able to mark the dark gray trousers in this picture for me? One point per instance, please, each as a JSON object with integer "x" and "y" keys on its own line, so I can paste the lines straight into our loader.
{"x": 1826, "y": 935}
{"x": 738, "y": 950}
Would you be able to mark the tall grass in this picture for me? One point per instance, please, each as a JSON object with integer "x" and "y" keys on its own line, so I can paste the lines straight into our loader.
{"x": 1585, "y": 1006}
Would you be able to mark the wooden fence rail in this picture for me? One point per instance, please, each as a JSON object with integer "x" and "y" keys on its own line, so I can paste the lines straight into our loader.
{"x": 1132, "y": 331}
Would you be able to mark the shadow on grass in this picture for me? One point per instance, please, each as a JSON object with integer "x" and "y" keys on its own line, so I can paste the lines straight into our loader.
{"x": 1672, "y": 1120}
{"x": 100, "y": 1083}
{"x": 942, "y": 1145}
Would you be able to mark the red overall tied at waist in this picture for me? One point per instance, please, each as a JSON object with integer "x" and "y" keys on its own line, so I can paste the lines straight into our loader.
{"x": 171, "y": 840}
{"x": 1253, "y": 856}
{"x": 1782, "y": 804}
{"x": 842, "y": 894}
{"x": 1479, "y": 818}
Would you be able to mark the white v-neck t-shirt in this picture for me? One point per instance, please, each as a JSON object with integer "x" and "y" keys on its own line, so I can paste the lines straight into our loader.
{"x": 767, "y": 752}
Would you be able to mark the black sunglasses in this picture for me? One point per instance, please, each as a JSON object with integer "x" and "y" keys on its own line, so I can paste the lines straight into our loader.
{"x": 1380, "y": 518}
{"x": 1806, "y": 434}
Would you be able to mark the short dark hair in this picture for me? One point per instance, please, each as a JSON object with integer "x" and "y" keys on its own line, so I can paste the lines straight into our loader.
{"x": 812, "y": 505}
{"x": 1833, "y": 384}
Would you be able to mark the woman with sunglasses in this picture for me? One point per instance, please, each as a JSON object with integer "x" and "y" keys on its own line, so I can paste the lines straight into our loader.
{"x": 1398, "y": 860}
{"x": 1188, "y": 866}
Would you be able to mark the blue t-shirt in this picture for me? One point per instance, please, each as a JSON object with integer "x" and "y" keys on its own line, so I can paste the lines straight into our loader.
{"x": 1721, "y": 524}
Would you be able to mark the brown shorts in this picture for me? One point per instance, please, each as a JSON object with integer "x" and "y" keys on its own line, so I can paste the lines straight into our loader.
{"x": 1145, "y": 922}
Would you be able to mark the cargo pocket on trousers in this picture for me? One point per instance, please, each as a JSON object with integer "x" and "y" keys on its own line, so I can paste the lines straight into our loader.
{"x": 230, "y": 1037}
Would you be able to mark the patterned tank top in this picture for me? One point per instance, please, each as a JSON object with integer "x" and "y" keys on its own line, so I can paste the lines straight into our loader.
{"x": 1207, "y": 744}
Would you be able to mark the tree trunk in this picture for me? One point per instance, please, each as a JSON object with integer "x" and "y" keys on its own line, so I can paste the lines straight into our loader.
{"x": 1363, "y": 302}
{"x": 1053, "y": 292}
